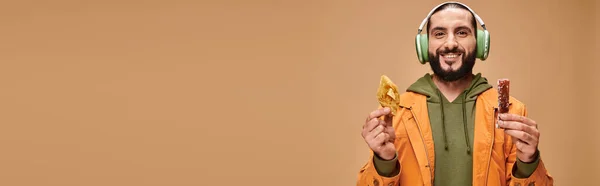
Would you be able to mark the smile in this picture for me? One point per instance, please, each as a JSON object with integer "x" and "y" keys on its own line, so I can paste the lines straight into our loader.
{"x": 451, "y": 55}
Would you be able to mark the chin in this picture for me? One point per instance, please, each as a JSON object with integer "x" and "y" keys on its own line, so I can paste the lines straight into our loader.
{"x": 453, "y": 68}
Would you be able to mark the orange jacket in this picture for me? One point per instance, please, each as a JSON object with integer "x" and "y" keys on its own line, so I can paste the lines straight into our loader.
{"x": 494, "y": 154}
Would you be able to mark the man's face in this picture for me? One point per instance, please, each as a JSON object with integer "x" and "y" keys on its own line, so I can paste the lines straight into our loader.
{"x": 452, "y": 43}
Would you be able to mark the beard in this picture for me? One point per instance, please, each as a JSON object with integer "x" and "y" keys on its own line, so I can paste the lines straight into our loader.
{"x": 466, "y": 68}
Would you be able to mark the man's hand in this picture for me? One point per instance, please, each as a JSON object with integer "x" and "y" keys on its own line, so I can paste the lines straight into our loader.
{"x": 380, "y": 134}
{"x": 524, "y": 133}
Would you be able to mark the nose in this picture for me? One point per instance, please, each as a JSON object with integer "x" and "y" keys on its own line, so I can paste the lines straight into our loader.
{"x": 450, "y": 43}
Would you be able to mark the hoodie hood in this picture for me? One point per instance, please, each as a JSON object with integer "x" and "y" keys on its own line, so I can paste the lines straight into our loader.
{"x": 427, "y": 87}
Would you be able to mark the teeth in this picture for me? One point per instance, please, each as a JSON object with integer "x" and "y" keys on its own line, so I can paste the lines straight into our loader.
{"x": 450, "y": 55}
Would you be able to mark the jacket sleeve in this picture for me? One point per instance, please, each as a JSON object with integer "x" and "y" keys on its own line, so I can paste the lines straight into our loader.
{"x": 539, "y": 177}
{"x": 368, "y": 175}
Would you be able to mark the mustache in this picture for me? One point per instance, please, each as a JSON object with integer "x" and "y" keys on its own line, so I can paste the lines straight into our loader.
{"x": 455, "y": 50}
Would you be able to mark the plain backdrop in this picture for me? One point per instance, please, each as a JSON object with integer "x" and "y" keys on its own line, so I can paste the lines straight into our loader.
{"x": 261, "y": 92}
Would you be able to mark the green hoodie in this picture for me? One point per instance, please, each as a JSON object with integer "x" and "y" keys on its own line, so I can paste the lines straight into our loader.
{"x": 452, "y": 125}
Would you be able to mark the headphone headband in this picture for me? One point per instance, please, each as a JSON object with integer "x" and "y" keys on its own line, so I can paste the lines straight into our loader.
{"x": 479, "y": 20}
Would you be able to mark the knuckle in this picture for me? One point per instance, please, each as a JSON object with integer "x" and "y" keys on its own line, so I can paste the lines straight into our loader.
{"x": 379, "y": 111}
{"x": 372, "y": 123}
{"x": 373, "y": 134}
{"x": 376, "y": 130}
{"x": 393, "y": 139}
{"x": 372, "y": 114}
{"x": 524, "y": 136}
{"x": 375, "y": 138}
{"x": 519, "y": 127}
{"x": 373, "y": 147}
{"x": 368, "y": 136}
{"x": 392, "y": 134}
{"x": 371, "y": 141}
{"x": 524, "y": 128}
{"x": 534, "y": 131}
{"x": 529, "y": 150}
{"x": 519, "y": 146}
{"x": 381, "y": 136}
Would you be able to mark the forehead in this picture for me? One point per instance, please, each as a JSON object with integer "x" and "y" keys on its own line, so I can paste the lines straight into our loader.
{"x": 451, "y": 17}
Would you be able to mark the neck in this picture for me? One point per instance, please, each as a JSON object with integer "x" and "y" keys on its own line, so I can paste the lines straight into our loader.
{"x": 451, "y": 89}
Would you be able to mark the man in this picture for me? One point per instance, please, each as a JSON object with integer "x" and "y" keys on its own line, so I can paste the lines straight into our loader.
{"x": 445, "y": 130}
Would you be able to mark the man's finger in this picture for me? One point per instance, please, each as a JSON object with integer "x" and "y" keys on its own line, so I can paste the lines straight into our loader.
{"x": 524, "y": 147}
{"x": 382, "y": 123}
{"x": 391, "y": 131}
{"x": 388, "y": 120}
{"x": 379, "y": 139}
{"x": 371, "y": 124}
{"x": 379, "y": 112}
{"x": 391, "y": 137}
{"x": 519, "y": 118}
{"x": 513, "y": 125}
{"x": 523, "y": 136}
{"x": 376, "y": 131}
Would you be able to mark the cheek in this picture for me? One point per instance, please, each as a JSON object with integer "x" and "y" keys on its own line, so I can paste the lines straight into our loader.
{"x": 469, "y": 45}
{"x": 433, "y": 46}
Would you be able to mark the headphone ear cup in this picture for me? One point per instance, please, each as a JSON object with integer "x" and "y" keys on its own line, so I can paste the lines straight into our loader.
{"x": 422, "y": 46}
{"x": 483, "y": 44}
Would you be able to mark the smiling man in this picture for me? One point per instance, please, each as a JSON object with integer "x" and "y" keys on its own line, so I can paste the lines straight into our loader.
{"x": 444, "y": 132}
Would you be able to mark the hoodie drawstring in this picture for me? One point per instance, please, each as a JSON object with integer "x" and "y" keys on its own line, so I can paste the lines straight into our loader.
{"x": 443, "y": 119}
{"x": 464, "y": 109}
{"x": 464, "y": 112}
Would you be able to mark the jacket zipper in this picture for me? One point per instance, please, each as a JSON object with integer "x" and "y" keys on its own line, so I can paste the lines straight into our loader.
{"x": 424, "y": 146}
{"x": 492, "y": 145}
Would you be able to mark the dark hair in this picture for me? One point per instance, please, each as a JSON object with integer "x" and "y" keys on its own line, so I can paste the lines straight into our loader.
{"x": 459, "y": 6}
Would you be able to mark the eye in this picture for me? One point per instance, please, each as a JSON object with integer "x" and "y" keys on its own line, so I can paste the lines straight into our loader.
{"x": 439, "y": 34}
{"x": 461, "y": 33}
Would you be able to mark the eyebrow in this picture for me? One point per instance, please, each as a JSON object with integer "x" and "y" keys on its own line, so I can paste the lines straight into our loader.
{"x": 438, "y": 28}
{"x": 463, "y": 27}
{"x": 444, "y": 29}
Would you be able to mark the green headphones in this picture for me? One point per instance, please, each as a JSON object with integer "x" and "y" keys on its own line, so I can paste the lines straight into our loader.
{"x": 483, "y": 37}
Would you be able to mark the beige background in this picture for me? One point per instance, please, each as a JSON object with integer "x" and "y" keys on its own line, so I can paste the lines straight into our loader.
{"x": 259, "y": 92}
